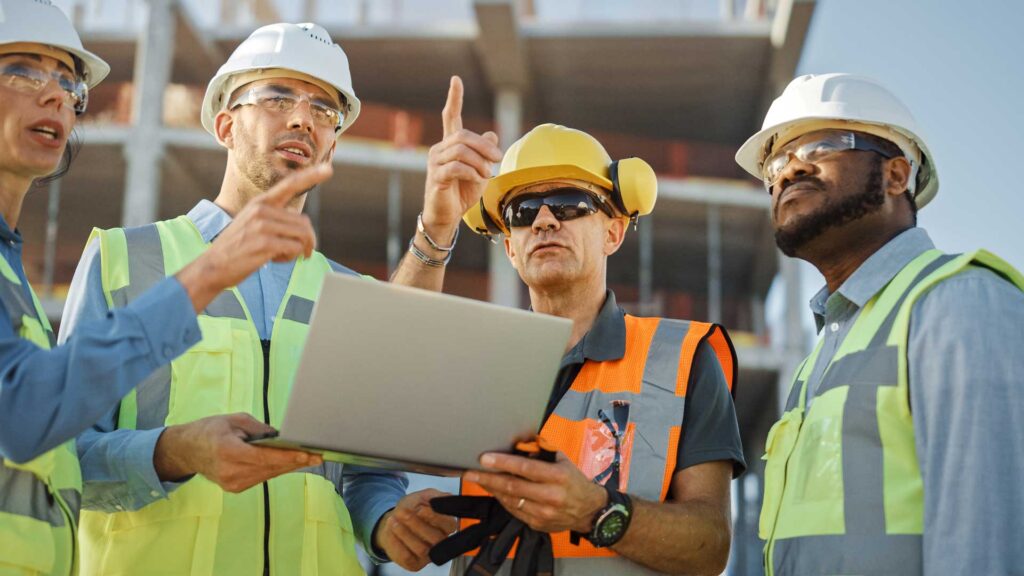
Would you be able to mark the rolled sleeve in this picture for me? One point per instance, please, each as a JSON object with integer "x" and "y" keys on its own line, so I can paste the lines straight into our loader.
{"x": 368, "y": 494}
{"x": 711, "y": 430}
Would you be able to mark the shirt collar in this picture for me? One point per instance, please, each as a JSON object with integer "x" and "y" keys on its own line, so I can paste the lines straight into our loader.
{"x": 210, "y": 219}
{"x": 8, "y": 235}
{"x": 606, "y": 339}
{"x": 873, "y": 275}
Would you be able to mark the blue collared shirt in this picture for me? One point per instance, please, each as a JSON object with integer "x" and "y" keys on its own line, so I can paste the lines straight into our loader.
{"x": 966, "y": 373}
{"x": 48, "y": 397}
{"x": 117, "y": 464}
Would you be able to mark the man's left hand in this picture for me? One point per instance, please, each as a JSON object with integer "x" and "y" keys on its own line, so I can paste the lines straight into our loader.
{"x": 546, "y": 496}
{"x": 408, "y": 532}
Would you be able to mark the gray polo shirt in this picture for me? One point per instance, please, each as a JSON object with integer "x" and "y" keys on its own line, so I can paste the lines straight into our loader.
{"x": 710, "y": 432}
{"x": 966, "y": 367}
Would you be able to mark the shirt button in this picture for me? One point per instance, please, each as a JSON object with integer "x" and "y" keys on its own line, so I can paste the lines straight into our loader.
{"x": 834, "y": 327}
{"x": 154, "y": 493}
{"x": 118, "y": 506}
{"x": 168, "y": 352}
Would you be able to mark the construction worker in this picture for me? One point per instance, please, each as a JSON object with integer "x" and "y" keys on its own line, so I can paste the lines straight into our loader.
{"x": 641, "y": 414}
{"x": 48, "y": 394}
{"x": 170, "y": 484}
{"x": 900, "y": 448}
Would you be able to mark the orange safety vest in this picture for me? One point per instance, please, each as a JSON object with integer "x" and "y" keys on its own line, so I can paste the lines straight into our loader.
{"x": 650, "y": 382}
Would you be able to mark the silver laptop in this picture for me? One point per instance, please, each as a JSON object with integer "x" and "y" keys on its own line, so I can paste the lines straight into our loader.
{"x": 405, "y": 378}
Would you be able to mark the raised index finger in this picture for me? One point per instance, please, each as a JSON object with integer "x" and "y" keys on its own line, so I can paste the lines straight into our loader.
{"x": 451, "y": 116}
{"x": 296, "y": 183}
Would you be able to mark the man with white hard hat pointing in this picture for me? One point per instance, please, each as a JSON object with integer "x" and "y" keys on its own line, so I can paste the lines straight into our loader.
{"x": 900, "y": 449}
{"x": 170, "y": 484}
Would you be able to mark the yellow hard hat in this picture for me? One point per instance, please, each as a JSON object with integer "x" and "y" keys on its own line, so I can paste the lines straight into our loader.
{"x": 553, "y": 152}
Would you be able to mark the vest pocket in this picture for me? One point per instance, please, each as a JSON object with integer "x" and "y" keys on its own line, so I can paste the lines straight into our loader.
{"x": 201, "y": 381}
{"x": 328, "y": 545}
{"x": 180, "y": 533}
{"x": 26, "y": 545}
{"x": 781, "y": 440}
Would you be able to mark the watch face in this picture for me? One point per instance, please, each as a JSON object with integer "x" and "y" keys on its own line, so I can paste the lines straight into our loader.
{"x": 611, "y": 526}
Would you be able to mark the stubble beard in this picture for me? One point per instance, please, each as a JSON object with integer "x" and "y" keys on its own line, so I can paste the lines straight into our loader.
{"x": 795, "y": 235}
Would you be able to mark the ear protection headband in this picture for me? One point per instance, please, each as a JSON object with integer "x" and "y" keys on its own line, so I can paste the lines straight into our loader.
{"x": 634, "y": 193}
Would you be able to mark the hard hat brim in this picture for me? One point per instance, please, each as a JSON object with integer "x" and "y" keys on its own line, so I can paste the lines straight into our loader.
{"x": 749, "y": 154}
{"x": 499, "y": 186}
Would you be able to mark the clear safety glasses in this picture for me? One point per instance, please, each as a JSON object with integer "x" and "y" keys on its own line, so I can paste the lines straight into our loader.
{"x": 24, "y": 75}
{"x": 282, "y": 100}
{"x": 564, "y": 203}
{"x": 815, "y": 147}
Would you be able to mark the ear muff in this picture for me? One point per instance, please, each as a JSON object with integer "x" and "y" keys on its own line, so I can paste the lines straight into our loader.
{"x": 481, "y": 222}
{"x": 635, "y": 187}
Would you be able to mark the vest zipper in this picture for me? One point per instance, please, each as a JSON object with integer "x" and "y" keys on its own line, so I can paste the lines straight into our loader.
{"x": 266, "y": 486}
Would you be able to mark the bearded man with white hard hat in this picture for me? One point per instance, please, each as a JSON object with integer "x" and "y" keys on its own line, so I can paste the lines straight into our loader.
{"x": 901, "y": 447}
{"x": 171, "y": 486}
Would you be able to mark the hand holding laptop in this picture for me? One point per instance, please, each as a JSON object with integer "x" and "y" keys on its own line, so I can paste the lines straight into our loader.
{"x": 216, "y": 448}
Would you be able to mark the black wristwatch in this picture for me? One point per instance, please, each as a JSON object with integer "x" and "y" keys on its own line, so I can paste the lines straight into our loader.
{"x": 611, "y": 522}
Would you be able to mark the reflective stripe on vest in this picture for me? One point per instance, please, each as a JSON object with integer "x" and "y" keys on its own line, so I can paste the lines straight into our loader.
{"x": 39, "y": 499}
{"x": 207, "y": 531}
{"x": 639, "y": 399}
{"x": 843, "y": 490}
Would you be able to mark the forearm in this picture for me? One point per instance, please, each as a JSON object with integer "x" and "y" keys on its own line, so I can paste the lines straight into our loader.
{"x": 677, "y": 538}
{"x": 413, "y": 271}
{"x": 51, "y": 396}
{"x": 117, "y": 468}
{"x": 369, "y": 493}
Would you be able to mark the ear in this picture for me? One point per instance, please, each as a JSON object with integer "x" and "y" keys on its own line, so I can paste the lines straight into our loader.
{"x": 510, "y": 251}
{"x": 896, "y": 176}
{"x": 223, "y": 127}
{"x": 615, "y": 234}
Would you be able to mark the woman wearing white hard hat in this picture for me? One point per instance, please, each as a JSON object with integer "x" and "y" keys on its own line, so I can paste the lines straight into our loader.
{"x": 49, "y": 394}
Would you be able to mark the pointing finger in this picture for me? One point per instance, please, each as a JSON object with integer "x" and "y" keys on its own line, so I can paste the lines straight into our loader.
{"x": 297, "y": 183}
{"x": 451, "y": 116}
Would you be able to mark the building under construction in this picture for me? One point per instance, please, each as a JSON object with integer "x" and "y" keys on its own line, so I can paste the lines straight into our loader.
{"x": 680, "y": 83}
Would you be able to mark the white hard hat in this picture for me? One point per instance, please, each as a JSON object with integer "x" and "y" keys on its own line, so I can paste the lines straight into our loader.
{"x": 306, "y": 49}
{"x": 817, "y": 101}
{"x": 40, "y": 22}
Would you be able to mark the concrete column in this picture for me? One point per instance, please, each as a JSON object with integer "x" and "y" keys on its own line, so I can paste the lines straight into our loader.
{"x": 504, "y": 280}
{"x": 50, "y": 250}
{"x": 794, "y": 346}
{"x": 645, "y": 237}
{"x": 714, "y": 263}
{"x": 394, "y": 220}
{"x": 145, "y": 147}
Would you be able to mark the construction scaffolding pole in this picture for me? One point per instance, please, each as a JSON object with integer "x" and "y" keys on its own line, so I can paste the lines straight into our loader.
{"x": 714, "y": 263}
{"x": 145, "y": 148}
{"x": 504, "y": 281}
{"x": 394, "y": 220}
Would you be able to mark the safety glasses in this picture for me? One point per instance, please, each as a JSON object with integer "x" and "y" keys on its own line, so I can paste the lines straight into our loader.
{"x": 282, "y": 100}
{"x": 564, "y": 203}
{"x": 27, "y": 77}
{"x": 815, "y": 147}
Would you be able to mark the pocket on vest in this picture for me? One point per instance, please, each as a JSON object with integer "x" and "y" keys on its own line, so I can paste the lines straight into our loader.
{"x": 179, "y": 533}
{"x": 26, "y": 545}
{"x": 201, "y": 381}
{"x": 329, "y": 544}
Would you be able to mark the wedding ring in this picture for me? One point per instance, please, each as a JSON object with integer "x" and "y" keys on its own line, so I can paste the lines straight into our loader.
{"x": 519, "y": 505}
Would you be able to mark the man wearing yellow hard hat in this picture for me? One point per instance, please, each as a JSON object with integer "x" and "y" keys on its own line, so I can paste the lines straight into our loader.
{"x": 171, "y": 486}
{"x": 901, "y": 448}
{"x": 642, "y": 414}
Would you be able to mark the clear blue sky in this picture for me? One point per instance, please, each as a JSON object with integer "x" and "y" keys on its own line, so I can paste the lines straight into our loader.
{"x": 959, "y": 66}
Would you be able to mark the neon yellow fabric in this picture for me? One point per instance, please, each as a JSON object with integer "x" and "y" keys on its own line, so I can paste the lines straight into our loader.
{"x": 809, "y": 460}
{"x": 200, "y": 529}
{"x": 31, "y": 544}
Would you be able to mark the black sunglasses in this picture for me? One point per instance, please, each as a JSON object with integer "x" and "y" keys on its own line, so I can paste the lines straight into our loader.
{"x": 564, "y": 203}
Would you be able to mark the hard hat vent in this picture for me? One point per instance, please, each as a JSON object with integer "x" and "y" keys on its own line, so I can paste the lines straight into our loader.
{"x": 317, "y": 33}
